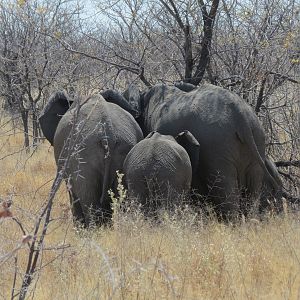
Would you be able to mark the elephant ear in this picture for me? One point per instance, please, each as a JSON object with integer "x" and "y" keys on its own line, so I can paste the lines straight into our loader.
{"x": 192, "y": 147}
{"x": 184, "y": 86}
{"x": 133, "y": 96}
{"x": 115, "y": 97}
{"x": 58, "y": 104}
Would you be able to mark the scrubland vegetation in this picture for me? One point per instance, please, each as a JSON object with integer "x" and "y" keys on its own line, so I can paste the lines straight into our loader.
{"x": 249, "y": 47}
{"x": 185, "y": 256}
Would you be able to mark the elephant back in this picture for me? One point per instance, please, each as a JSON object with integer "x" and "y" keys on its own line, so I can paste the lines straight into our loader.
{"x": 158, "y": 156}
{"x": 97, "y": 121}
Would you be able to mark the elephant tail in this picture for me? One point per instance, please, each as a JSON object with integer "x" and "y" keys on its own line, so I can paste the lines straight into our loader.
{"x": 108, "y": 143}
{"x": 107, "y": 181}
{"x": 247, "y": 137}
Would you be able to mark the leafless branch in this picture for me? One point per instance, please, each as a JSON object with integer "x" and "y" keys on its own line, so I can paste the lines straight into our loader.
{"x": 295, "y": 163}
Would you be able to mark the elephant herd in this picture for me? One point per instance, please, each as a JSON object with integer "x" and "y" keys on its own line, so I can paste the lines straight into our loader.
{"x": 172, "y": 139}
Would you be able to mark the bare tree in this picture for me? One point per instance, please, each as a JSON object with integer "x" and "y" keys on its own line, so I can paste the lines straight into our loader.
{"x": 31, "y": 62}
{"x": 174, "y": 37}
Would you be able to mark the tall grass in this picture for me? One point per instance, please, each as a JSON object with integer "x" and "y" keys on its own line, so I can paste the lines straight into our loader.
{"x": 185, "y": 256}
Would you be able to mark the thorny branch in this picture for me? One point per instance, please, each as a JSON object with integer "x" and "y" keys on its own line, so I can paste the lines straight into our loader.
{"x": 36, "y": 246}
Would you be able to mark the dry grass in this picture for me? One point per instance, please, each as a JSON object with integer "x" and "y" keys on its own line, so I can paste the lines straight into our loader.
{"x": 182, "y": 258}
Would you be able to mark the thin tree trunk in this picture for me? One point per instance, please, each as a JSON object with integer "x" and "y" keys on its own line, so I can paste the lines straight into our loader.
{"x": 35, "y": 129}
{"x": 24, "y": 115}
{"x": 208, "y": 20}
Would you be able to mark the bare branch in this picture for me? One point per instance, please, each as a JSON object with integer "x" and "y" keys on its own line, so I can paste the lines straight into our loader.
{"x": 294, "y": 163}
{"x": 208, "y": 20}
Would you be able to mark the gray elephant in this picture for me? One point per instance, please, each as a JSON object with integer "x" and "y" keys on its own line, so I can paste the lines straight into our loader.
{"x": 160, "y": 167}
{"x": 232, "y": 153}
{"x": 95, "y": 137}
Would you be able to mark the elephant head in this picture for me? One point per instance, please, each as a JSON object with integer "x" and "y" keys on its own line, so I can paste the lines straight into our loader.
{"x": 132, "y": 100}
{"x": 57, "y": 106}
{"x": 133, "y": 96}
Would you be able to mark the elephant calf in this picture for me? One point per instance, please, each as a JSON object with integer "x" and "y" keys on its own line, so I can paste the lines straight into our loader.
{"x": 161, "y": 165}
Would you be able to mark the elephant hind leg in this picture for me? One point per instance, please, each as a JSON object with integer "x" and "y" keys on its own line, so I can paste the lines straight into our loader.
{"x": 253, "y": 190}
{"x": 145, "y": 191}
{"x": 76, "y": 208}
{"x": 89, "y": 194}
{"x": 138, "y": 189}
{"x": 224, "y": 193}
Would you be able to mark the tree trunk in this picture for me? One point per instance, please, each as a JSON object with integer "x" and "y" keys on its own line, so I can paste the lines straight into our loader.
{"x": 208, "y": 21}
{"x": 35, "y": 129}
{"x": 24, "y": 115}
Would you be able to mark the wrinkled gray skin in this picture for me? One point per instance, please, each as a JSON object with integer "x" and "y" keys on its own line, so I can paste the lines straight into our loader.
{"x": 232, "y": 152}
{"x": 161, "y": 165}
{"x": 102, "y": 136}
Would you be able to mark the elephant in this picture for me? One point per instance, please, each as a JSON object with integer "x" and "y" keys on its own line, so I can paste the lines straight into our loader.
{"x": 232, "y": 157}
{"x": 91, "y": 139}
{"x": 161, "y": 165}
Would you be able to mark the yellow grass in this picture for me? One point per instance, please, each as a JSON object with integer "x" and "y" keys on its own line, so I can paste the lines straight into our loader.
{"x": 179, "y": 259}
